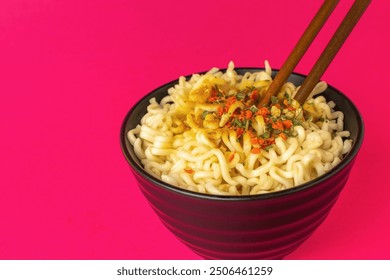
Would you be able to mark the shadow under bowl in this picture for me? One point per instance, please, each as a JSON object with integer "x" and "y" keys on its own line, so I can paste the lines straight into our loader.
{"x": 266, "y": 226}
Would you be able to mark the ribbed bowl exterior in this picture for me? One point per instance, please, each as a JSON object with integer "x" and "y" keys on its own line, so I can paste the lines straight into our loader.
{"x": 250, "y": 227}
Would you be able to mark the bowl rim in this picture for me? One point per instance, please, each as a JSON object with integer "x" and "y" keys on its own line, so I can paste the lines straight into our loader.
{"x": 348, "y": 158}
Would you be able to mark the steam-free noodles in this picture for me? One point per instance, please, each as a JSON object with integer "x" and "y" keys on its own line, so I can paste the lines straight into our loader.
{"x": 209, "y": 135}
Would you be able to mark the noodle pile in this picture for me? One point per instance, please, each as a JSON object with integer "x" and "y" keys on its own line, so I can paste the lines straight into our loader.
{"x": 208, "y": 135}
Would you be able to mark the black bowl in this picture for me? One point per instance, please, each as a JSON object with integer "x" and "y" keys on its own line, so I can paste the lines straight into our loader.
{"x": 265, "y": 226}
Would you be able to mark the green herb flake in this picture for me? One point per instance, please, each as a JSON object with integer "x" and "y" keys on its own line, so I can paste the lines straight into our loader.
{"x": 296, "y": 122}
{"x": 253, "y": 109}
{"x": 247, "y": 123}
{"x": 266, "y": 135}
{"x": 321, "y": 119}
{"x": 240, "y": 95}
{"x": 289, "y": 132}
{"x": 267, "y": 148}
{"x": 277, "y": 131}
{"x": 288, "y": 98}
{"x": 237, "y": 123}
{"x": 220, "y": 93}
{"x": 274, "y": 100}
{"x": 204, "y": 114}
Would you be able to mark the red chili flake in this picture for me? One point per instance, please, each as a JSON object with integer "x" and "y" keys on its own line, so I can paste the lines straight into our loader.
{"x": 287, "y": 124}
{"x": 239, "y": 131}
{"x": 270, "y": 141}
{"x": 230, "y": 101}
{"x": 251, "y": 134}
{"x": 189, "y": 170}
{"x": 212, "y": 99}
{"x": 220, "y": 110}
{"x": 284, "y": 136}
{"x": 254, "y": 95}
{"x": 263, "y": 111}
{"x": 277, "y": 125}
{"x": 232, "y": 156}
{"x": 261, "y": 141}
{"x": 248, "y": 114}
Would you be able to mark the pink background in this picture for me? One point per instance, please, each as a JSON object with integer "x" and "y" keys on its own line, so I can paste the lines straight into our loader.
{"x": 71, "y": 70}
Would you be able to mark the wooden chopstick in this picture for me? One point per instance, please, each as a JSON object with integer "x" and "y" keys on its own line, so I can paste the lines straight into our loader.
{"x": 299, "y": 50}
{"x": 337, "y": 40}
{"x": 330, "y": 51}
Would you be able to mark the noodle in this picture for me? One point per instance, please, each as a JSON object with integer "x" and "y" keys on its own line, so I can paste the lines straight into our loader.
{"x": 208, "y": 135}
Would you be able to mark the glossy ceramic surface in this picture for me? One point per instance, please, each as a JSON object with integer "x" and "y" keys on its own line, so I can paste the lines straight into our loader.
{"x": 266, "y": 226}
